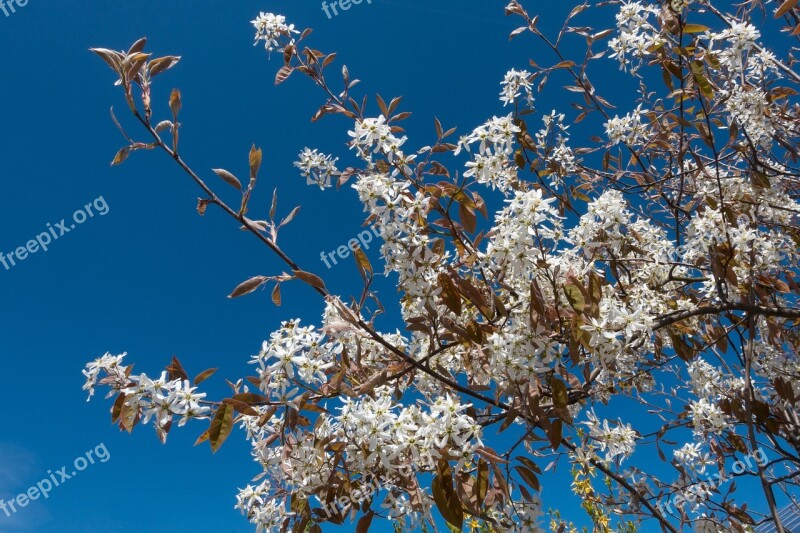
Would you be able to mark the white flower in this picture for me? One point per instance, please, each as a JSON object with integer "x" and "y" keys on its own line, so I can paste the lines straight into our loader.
{"x": 111, "y": 365}
{"x": 373, "y": 134}
{"x": 618, "y": 441}
{"x": 708, "y": 416}
{"x": 739, "y": 40}
{"x": 691, "y": 456}
{"x": 637, "y": 36}
{"x": 628, "y": 129}
{"x": 271, "y": 28}
{"x": 317, "y": 168}
{"x": 514, "y": 83}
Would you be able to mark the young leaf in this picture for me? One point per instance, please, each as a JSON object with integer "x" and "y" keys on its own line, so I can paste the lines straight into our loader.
{"x": 276, "y": 294}
{"x": 283, "y": 74}
{"x": 175, "y": 103}
{"x": 204, "y": 375}
{"x": 121, "y": 156}
{"x": 362, "y": 261}
{"x": 311, "y": 279}
{"x": 162, "y": 64}
{"x": 248, "y": 286}
{"x": 176, "y": 371}
{"x": 221, "y": 426}
{"x": 785, "y": 8}
{"x": 228, "y": 178}
{"x": 255, "y": 162}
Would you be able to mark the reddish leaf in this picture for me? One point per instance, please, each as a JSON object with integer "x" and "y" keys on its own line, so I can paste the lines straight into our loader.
{"x": 311, "y": 279}
{"x": 248, "y": 286}
{"x": 204, "y": 375}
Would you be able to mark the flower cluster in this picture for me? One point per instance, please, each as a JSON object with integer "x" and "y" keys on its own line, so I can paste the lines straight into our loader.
{"x": 293, "y": 353}
{"x": 552, "y": 147}
{"x": 375, "y": 135}
{"x": 628, "y": 129}
{"x": 115, "y": 374}
{"x": 617, "y": 441}
{"x": 707, "y": 416}
{"x": 637, "y": 35}
{"x": 272, "y": 29}
{"x": 514, "y": 83}
{"x": 386, "y": 436}
{"x": 491, "y": 164}
{"x": 317, "y": 168}
{"x": 157, "y": 399}
{"x": 739, "y": 40}
{"x": 376, "y": 436}
{"x": 692, "y": 457}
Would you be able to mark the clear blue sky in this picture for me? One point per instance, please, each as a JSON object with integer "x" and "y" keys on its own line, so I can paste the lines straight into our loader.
{"x": 151, "y": 277}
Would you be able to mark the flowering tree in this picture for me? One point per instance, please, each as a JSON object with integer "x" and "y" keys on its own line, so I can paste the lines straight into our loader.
{"x": 629, "y": 311}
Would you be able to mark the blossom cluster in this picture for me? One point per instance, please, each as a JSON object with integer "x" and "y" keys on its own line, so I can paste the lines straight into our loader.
{"x": 374, "y": 135}
{"x": 637, "y": 35}
{"x": 514, "y": 84}
{"x": 158, "y": 399}
{"x": 317, "y": 168}
{"x": 618, "y": 441}
{"x": 491, "y": 164}
{"x": 272, "y": 29}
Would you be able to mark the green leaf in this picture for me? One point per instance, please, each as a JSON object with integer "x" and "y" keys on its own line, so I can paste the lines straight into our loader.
{"x": 363, "y": 264}
{"x": 255, "y": 162}
{"x": 481, "y": 485}
{"x": 575, "y": 297}
{"x": 695, "y": 28}
{"x": 560, "y": 395}
{"x": 221, "y": 426}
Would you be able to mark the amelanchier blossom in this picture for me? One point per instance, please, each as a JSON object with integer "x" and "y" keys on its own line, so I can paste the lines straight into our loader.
{"x": 272, "y": 29}
{"x": 515, "y": 83}
{"x": 608, "y": 289}
{"x": 317, "y": 168}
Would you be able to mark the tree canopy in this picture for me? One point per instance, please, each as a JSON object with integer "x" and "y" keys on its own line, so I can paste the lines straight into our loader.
{"x": 617, "y": 298}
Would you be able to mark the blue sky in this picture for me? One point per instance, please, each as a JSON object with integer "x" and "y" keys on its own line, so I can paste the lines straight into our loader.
{"x": 150, "y": 277}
